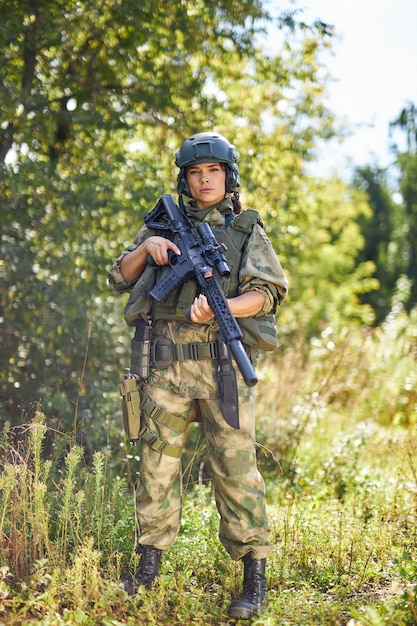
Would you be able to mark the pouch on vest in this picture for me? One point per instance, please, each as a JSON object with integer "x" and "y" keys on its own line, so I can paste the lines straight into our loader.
{"x": 259, "y": 332}
{"x": 177, "y": 303}
{"x": 140, "y": 349}
{"x": 129, "y": 391}
{"x": 140, "y": 302}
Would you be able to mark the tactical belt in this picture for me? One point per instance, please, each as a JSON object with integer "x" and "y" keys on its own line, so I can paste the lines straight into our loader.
{"x": 165, "y": 351}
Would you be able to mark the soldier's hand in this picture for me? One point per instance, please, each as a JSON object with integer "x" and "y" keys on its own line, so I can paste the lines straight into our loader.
{"x": 200, "y": 311}
{"x": 157, "y": 248}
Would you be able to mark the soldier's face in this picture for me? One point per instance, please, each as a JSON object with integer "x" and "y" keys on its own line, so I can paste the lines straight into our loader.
{"x": 207, "y": 183}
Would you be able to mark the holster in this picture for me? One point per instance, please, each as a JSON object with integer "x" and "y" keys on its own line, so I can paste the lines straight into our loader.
{"x": 129, "y": 391}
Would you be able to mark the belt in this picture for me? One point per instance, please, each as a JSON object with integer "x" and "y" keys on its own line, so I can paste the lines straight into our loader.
{"x": 195, "y": 351}
{"x": 165, "y": 352}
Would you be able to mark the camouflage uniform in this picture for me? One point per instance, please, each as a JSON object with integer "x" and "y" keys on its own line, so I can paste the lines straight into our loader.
{"x": 186, "y": 390}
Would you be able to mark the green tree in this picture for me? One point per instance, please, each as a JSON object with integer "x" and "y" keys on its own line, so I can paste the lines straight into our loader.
{"x": 381, "y": 246}
{"x": 406, "y": 160}
{"x": 68, "y": 68}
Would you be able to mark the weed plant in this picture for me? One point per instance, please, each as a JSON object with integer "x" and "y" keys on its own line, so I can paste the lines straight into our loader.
{"x": 337, "y": 448}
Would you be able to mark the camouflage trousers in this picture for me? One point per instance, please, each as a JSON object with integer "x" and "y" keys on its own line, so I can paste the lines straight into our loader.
{"x": 238, "y": 485}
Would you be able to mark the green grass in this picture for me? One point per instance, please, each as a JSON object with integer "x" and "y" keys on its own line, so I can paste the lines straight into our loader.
{"x": 337, "y": 447}
{"x": 343, "y": 527}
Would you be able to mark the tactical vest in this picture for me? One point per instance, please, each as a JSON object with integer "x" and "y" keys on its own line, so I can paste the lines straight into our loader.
{"x": 234, "y": 237}
{"x": 259, "y": 332}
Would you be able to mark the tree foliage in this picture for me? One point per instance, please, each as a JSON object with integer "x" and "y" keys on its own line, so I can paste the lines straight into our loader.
{"x": 407, "y": 164}
{"x": 390, "y": 228}
{"x": 381, "y": 246}
{"x": 71, "y": 67}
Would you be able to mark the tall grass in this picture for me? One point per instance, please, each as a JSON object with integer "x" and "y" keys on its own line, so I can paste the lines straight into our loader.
{"x": 338, "y": 450}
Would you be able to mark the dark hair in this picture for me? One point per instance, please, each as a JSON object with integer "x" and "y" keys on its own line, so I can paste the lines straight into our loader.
{"x": 237, "y": 205}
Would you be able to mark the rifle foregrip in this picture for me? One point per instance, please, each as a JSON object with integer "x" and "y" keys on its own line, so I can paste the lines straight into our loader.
{"x": 166, "y": 286}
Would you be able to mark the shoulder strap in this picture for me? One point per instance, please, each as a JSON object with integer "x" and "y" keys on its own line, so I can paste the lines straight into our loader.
{"x": 246, "y": 220}
{"x": 242, "y": 225}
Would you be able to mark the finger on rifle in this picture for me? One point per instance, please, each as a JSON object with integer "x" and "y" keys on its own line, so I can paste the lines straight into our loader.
{"x": 173, "y": 247}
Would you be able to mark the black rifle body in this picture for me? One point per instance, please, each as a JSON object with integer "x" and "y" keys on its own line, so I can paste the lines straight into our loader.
{"x": 200, "y": 255}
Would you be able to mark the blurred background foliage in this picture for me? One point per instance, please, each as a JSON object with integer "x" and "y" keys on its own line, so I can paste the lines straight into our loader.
{"x": 95, "y": 98}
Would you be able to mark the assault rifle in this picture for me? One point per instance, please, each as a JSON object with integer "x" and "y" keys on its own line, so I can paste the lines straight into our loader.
{"x": 201, "y": 254}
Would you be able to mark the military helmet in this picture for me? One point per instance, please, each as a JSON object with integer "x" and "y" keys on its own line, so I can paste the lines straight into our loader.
{"x": 207, "y": 148}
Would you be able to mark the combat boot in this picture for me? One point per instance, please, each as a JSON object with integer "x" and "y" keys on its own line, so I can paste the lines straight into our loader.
{"x": 147, "y": 571}
{"x": 254, "y": 595}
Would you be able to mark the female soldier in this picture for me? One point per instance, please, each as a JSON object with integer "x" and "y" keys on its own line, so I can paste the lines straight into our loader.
{"x": 182, "y": 383}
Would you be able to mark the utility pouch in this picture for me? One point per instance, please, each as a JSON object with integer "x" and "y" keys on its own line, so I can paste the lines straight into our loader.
{"x": 162, "y": 352}
{"x": 140, "y": 350}
{"x": 129, "y": 391}
{"x": 259, "y": 332}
